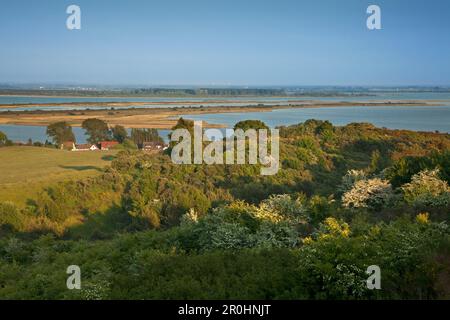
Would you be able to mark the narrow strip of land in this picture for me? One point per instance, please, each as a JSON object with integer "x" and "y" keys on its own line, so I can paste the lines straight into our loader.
{"x": 164, "y": 118}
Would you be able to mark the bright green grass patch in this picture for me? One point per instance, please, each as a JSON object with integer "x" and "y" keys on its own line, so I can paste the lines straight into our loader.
{"x": 24, "y": 171}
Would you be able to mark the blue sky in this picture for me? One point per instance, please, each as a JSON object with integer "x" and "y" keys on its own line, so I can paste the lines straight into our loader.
{"x": 215, "y": 42}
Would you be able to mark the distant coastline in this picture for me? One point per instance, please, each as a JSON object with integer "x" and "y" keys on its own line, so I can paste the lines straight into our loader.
{"x": 198, "y": 92}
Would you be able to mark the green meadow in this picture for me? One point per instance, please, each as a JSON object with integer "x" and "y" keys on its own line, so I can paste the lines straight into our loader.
{"x": 24, "y": 171}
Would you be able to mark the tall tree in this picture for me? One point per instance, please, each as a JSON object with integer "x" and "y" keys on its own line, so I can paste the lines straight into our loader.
{"x": 97, "y": 130}
{"x": 139, "y": 136}
{"x": 119, "y": 133}
{"x": 60, "y": 132}
{"x": 250, "y": 124}
{"x": 184, "y": 124}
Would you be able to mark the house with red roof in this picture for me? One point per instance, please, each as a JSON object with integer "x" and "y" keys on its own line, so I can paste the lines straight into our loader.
{"x": 106, "y": 145}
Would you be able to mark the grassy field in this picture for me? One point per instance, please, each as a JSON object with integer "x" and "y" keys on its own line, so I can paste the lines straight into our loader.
{"x": 26, "y": 170}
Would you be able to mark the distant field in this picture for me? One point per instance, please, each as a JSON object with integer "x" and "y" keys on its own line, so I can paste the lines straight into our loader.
{"x": 26, "y": 170}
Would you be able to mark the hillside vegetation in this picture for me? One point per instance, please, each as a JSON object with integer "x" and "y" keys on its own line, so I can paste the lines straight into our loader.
{"x": 345, "y": 198}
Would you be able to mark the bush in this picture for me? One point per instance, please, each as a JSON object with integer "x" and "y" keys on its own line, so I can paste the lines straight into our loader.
{"x": 427, "y": 189}
{"x": 350, "y": 178}
{"x": 373, "y": 193}
{"x": 11, "y": 217}
{"x": 240, "y": 225}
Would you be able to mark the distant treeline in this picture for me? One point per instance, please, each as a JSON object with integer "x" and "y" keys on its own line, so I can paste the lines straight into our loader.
{"x": 148, "y": 92}
{"x": 176, "y": 92}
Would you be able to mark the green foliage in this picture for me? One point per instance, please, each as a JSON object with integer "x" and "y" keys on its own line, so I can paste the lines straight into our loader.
{"x": 139, "y": 136}
{"x": 60, "y": 132}
{"x": 350, "y": 178}
{"x": 225, "y": 231}
{"x": 427, "y": 189}
{"x": 408, "y": 253}
{"x": 11, "y": 217}
{"x": 377, "y": 162}
{"x": 127, "y": 144}
{"x": 240, "y": 225}
{"x": 97, "y": 130}
{"x": 3, "y": 139}
{"x": 250, "y": 124}
{"x": 119, "y": 133}
{"x": 67, "y": 201}
{"x": 371, "y": 193}
{"x": 334, "y": 268}
{"x": 319, "y": 208}
{"x": 184, "y": 124}
{"x": 403, "y": 170}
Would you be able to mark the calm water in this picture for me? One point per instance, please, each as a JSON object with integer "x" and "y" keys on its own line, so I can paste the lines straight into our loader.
{"x": 38, "y": 133}
{"x": 209, "y": 102}
{"x": 426, "y": 118}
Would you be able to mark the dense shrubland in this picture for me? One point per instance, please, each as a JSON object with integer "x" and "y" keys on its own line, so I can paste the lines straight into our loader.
{"x": 345, "y": 198}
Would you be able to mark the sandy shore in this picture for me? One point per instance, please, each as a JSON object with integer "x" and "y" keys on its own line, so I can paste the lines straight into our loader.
{"x": 164, "y": 118}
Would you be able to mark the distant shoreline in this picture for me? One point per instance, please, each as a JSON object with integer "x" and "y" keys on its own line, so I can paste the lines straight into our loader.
{"x": 171, "y": 96}
{"x": 180, "y": 95}
{"x": 165, "y": 118}
{"x": 131, "y": 104}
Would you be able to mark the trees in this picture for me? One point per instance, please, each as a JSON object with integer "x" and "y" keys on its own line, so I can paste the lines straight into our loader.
{"x": 119, "y": 133}
{"x": 3, "y": 139}
{"x": 250, "y": 124}
{"x": 139, "y": 136}
{"x": 371, "y": 193}
{"x": 97, "y": 130}
{"x": 184, "y": 124}
{"x": 240, "y": 225}
{"x": 403, "y": 170}
{"x": 349, "y": 180}
{"x": 181, "y": 124}
{"x": 427, "y": 189}
{"x": 60, "y": 132}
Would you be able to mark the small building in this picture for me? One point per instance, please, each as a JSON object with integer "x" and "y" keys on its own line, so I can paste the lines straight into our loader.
{"x": 106, "y": 145}
{"x": 85, "y": 147}
{"x": 153, "y": 146}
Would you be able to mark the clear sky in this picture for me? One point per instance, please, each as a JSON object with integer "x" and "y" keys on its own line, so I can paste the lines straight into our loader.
{"x": 220, "y": 42}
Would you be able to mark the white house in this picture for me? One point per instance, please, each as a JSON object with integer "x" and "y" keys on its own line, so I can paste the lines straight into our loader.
{"x": 85, "y": 147}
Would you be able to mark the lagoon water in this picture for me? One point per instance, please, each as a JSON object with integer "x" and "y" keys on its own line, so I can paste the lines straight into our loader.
{"x": 418, "y": 118}
{"x": 38, "y": 133}
{"x": 207, "y": 102}
{"x": 371, "y": 96}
